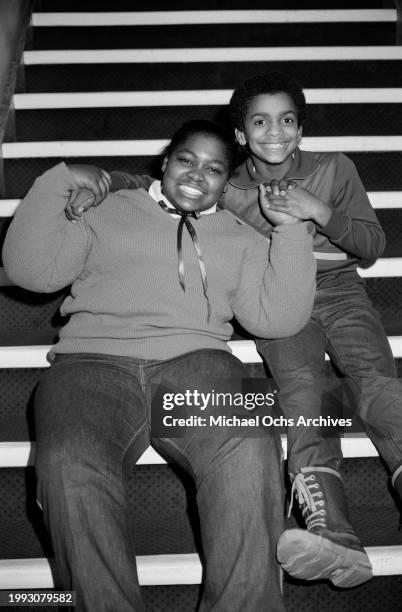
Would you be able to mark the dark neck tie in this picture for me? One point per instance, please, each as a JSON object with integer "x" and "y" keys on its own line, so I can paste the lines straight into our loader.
{"x": 184, "y": 220}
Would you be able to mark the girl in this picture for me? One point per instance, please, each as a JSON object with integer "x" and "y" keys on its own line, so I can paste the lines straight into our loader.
{"x": 156, "y": 276}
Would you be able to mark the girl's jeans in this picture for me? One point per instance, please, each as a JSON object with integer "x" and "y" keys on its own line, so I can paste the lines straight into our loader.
{"x": 93, "y": 422}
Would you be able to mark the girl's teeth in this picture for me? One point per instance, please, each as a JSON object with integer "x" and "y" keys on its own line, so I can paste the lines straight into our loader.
{"x": 191, "y": 190}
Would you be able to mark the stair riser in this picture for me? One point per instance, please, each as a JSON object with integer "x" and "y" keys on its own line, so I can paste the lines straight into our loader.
{"x": 160, "y": 122}
{"x": 144, "y": 77}
{"x": 237, "y": 35}
{"x": 159, "y": 505}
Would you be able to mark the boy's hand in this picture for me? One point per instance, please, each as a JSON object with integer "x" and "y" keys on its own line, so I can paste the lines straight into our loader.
{"x": 297, "y": 202}
{"x": 275, "y": 218}
{"x": 94, "y": 186}
{"x": 279, "y": 188}
{"x": 80, "y": 200}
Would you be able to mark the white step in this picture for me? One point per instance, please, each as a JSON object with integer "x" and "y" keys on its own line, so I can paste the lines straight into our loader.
{"x": 217, "y": 54}
{"x": 35, "y": 356}
{"x": 116, "y": 148}
{"x": 24, "y": 356}
{"x": 385, "y": 199}
{"x": 22, "y": 454}
{"x": 165, "y": 569}
{"x": 378, "y": 199}
{"x": 140, "y": 18}
{"x": 200, "y": 97}
{"x": 152, "y": 570}
{"x": 383, "y": 268}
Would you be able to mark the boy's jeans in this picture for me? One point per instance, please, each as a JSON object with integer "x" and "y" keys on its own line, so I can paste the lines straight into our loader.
{"x": 344, "y": 324}
{"x": 92, "y": 423}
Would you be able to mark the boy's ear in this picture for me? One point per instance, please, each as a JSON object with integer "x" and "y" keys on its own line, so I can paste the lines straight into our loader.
{"x": 164, "y": 164}
{"x": 240, "y": 137}
{"x": 300, "y": 130}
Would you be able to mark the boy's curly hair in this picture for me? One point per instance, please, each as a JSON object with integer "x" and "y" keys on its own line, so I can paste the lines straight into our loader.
{"x": 266, "y": 83}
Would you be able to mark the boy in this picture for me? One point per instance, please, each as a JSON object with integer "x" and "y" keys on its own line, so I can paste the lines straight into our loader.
{"x": 267, "y": 113}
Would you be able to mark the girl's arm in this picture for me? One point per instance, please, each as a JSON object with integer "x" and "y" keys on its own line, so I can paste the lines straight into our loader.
{"x": 276, "y": 293}
{"x": 43, "y": 251}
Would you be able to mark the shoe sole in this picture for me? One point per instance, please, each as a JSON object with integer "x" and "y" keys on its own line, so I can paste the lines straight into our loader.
{"x": 308, "y": 556}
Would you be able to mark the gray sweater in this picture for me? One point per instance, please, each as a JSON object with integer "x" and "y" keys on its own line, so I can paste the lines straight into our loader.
{"x": 121, "y": 262}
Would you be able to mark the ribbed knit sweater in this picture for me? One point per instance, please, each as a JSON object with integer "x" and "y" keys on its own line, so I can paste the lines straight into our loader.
{"x": 121, "y": 262}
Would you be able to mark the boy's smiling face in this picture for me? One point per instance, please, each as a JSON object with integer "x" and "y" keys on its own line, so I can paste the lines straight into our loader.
{"x": 271, "y": 132}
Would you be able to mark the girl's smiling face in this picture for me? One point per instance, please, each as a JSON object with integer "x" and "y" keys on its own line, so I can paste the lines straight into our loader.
{"x": 195, "y": 172}
{"x": 271, "y": 132}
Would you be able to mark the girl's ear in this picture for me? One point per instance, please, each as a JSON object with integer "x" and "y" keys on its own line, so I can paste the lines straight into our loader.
{"x": 240, "y": 137}
{"x": 164, "y": 164}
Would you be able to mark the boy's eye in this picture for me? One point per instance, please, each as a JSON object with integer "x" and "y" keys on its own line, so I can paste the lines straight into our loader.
{"x": 289, "y": 120}
{"x": 185, "y": 160}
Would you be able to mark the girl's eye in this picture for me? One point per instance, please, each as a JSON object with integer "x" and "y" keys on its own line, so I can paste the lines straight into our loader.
{"x": 289, "y": 120}
{"x": 259, "y": 122}
{"x": 185, "y": 160}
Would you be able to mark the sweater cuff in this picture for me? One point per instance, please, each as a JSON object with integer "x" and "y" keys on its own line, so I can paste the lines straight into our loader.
{"x": 336, "y": 227}
{"x": 295, "y": 231}
{"x": 61, "y": 176}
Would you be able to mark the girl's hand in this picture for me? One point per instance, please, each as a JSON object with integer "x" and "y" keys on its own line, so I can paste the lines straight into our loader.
{"x": 274, "y": 217}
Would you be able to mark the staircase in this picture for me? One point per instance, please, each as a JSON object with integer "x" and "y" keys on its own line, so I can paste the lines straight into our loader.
{"x": 107, "y": 86}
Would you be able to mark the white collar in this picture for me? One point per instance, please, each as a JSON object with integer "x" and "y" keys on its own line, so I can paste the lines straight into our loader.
{"x": 155, "y": 191}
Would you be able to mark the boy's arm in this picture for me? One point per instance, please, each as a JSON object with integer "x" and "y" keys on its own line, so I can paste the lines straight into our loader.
{"x": 43, "y": 251}
{"x": 83, "y": 199}
{"x": 353, "y": 225}
{"x": 348, "y": 220}
{"x": 125, "y": 180}
{"x": 276, "y": 293}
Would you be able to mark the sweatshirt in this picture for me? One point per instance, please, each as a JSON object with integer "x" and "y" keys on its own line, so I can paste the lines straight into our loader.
{"x": 121, "y": 262}
{"x": 352, "y": 237}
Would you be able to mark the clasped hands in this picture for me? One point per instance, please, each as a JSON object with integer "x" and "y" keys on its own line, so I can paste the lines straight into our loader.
{"x": 284, "y": 202}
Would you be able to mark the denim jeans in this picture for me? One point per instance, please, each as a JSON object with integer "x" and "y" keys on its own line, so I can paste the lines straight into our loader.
{"x": 92, "y": 423}
{"x": 346, "y": 326}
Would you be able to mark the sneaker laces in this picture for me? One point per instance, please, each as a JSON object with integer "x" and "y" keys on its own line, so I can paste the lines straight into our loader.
{"x": 307, "y": 490}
